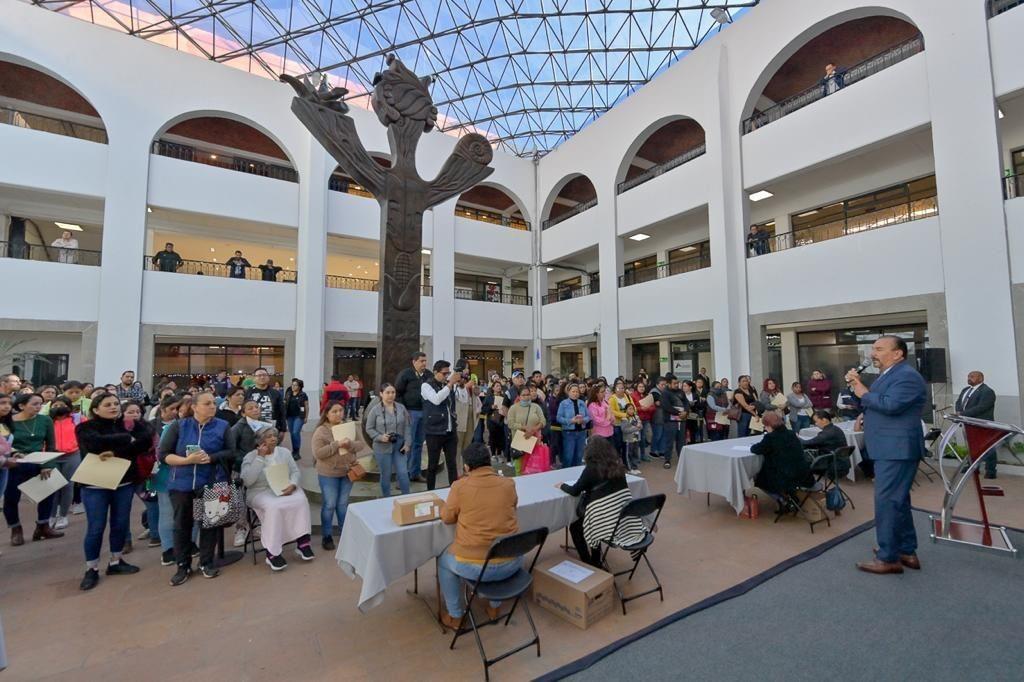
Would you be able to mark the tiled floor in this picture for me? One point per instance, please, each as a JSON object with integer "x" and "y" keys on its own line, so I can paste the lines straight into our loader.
{"x": 302, "y": 624}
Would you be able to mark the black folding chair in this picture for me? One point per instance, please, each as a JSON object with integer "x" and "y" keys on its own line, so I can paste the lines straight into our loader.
{"x": 924, "y": 467}
{"x": 829, "y": 468}
{"x": 640, "y": 508}
{"x": 513, "y": 587}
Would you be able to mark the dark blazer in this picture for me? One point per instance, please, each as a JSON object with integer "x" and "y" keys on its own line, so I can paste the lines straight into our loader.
{"x": 785, "y": 466}
{"x": 892, "y": 414}
{"x": 982, "y": 403}
{"x": 829, "y": 438}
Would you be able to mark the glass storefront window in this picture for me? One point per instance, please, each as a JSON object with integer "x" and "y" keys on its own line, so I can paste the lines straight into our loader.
{"x": 196, "y": 363}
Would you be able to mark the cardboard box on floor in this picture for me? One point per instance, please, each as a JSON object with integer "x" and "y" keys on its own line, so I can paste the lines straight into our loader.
{"x": 581, "y": 603}
{"x": 411, "y": 509}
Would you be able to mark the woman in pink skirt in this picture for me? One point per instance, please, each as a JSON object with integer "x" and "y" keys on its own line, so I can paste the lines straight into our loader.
{"x": 283, "y": 517}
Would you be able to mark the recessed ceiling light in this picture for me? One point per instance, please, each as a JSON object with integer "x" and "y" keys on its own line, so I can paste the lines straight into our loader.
{"x": 550, "y": 269}
{"x": 761, "y": 194}
{"x": 1001, "y": 114}
{"x": 425, "y": 252}
{"x": 292, "y": 259}
{"x": 213, "y": 156}
{"x": 640, "y": 236}
{"x": 68, "y": 226}
{"x": 687, "y": 249}
{"x": 806, "y": 213}
{"x": 212, "y": 250}
{"x": 149, "y": 209}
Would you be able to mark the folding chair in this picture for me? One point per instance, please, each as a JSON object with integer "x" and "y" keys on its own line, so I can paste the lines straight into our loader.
{"x": 791, "y": 504}
{"x": 514, "y": 587}
{"x": 924, "y": 467}
{"x": 254, "y": 523}
{"x": 830, "y": 467}
{"x": 639, "y": 508}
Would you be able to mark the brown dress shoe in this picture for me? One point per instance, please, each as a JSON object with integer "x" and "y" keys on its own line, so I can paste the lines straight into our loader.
{"x": 880, "y": 567}
{"x": 17, "y": 536}
{"x": 908, "y": 560}
{"x": 44, "y": 532}
{"x": 492, "y": 612}
{"x": 450, "y": 622}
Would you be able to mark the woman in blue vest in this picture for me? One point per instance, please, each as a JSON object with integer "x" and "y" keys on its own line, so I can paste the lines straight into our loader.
{"x": 574, "y": 418}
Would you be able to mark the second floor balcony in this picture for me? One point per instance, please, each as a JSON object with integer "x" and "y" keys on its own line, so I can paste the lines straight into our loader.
{"x": 1013, "y": 185}
{"x": 261, "y": 273}
{"x": 568, "y": 293}
{"x": 50, "y": 124}
{"x": 219, "y": 159}
{"x": 49, "y": 254}
{"x": 700, "y": 259}
{"x": 492, "y": 296}
{"x": 660, "y": 169}
{"x": 997, "y": 7}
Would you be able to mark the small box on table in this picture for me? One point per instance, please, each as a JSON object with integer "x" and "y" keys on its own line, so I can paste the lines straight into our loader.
{"x": 573, "y": 591}
{"x": 411, "y": 509}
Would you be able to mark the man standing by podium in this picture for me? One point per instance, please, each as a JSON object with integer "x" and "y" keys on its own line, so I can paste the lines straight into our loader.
{"x": 979, "y": 401}
{"x": 893, "y": 435}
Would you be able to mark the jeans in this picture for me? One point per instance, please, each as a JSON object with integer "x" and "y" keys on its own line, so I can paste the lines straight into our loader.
{"x": 646, "y": 441}
{"x": 554, "y": 441}
{"x": 181, "y": 501}
{"x": 335, "y": 492}
{"x": 415, "y": 456}
{"x": 12, "y": 496}
{"x": 451, "y": 571}
{"x": 392, "y": 462}
{"x": 352, "y": 408}
{"x": 657, "y": 439}
{"x": 800, "y": 421}
{"x": 572, "y": 448}
{"x": 743, "y": 425}
{"x": 99, "y": 502}
{"x": 66, "y": 465}
{"x": 449, "y": 443}
{"x": 295, "y": 428}
{"x": 165, "y": 524}
{"x": 3, "y": 481}
{"x": 153, "y": 518}
{"x": 620, "y": 446}
{"x": 670, "y": 437}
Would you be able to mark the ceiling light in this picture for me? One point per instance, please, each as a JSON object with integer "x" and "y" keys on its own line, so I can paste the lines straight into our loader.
{"x": 640, "y": 236}
{"x": 425, "y": 252}
{"x": 761, "y": 194}
{"x": 68, "y": 226}
{"x": 149, "y": 209}
{"x": 721, "y": 15}
{"x": 806, "y": 213}
{"x": 687, "y": 249}
{"x": 213, "y": 156}
{"x": 550, "y": 269}
{"x": 292, "y": 260}
{"x": 1001, "y": 114}
{"x": 212, "y": 250}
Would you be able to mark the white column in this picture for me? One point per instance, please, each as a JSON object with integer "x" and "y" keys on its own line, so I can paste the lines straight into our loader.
{"x": 311, "y": 255}
{"x": 972, "y": 225}
{"x": 727, "y": 220}
{"x": 124, "y": 237}
{"x": 538, "y": 287}
{"x": 442, "y": 273}
{"x": 790, "y": 360}
{"x": 664, "y": 351}
{"x": 611, "y": 347}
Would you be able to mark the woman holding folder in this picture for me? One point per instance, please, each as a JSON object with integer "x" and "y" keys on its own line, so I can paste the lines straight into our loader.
{"x": 30, "y": 432}
{"x": 335, "y": 456}
{"x": 107, "y": 435}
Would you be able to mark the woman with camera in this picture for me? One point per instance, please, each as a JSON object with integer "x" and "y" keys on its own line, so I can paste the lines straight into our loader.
{"x": 333, "y": 460}
{"x": 387, "y": 424}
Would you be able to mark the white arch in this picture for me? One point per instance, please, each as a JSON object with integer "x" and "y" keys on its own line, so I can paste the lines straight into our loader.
{"x": 520, "y": 204}
{"x": 642, "y": 137}
{"x": 28, "y": 64}
{"x": 556, "y": 190}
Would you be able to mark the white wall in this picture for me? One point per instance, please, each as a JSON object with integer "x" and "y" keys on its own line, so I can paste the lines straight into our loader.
{"x": 52, "y": 162}
{"x": 680, "y": 190}
{"x": 574, "y": 317}
{"x": 50, "y": 291}
{"x": 688, "y": 297}
{"x": 173, "y": 299}
{"x": 475, "y": 237}
{"x": 480, "y": 319}
{"x": 1004, "y": 33}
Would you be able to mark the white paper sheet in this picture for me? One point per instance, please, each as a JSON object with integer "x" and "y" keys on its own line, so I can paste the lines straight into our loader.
{"x": 574, "y": 573}
{"x": 278, "y": 477}
{"x": 37, "y": 490}
{"x": 39, "y": 457}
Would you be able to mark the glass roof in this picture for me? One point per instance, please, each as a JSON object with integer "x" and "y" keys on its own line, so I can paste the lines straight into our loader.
{"x": 527, "y": 74}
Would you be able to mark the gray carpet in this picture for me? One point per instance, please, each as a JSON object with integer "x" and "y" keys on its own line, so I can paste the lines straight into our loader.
{"x": 960, "y": 618}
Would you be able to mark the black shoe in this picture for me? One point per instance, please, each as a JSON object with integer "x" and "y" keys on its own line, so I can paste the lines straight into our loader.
{"x": 276, "y": 563}
{"x": 210, "y": 571}
{"x": 144, "y": 520}
{"x": 305, "y": 553}
{"x": 327, "y": 543}
{"x": 195, "y": 551}
{"x": 296, "y": 456}
{"x": 417, "y": 479}
{"x": 182, "y": 576}
{"x": 122, "y": 567}
{"x": 990, "y": 476}
{"x": 89, "y": 581}
{"x": 167, "y": 558}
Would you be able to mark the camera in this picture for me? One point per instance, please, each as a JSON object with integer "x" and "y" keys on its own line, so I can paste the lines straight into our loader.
{"x": 392, "y": 437}
{"x": 461, "y": 368}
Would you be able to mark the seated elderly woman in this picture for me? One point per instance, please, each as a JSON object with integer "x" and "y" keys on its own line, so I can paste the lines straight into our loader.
{"x": 482, "y": 505}
{"x": 785, "y": 466}
{"x": 284, "y": 516}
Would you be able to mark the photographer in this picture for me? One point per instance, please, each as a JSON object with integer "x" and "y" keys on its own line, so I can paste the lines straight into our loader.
{"x": 440, "y": 421}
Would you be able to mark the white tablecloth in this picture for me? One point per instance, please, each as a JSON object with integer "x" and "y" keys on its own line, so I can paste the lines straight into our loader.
{"x": 854, "y": 438}
{"x": 725, "y": 467}
{"x": 380, "y": 552}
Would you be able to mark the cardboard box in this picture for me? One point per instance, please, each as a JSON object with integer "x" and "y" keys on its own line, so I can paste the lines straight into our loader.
{"x": 416, "y": 509}
{"x": 579, "y": 600}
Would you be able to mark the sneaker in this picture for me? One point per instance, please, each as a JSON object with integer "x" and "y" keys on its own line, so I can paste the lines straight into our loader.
{"x": 143, "y": 535}
{"x": 122, "y": 567}
{"x": 181, "y": 576}
{"x": 276, "y": 563}
{"x": 209, "y": 571}
{"x": 195, "y": 550}
{"x": 89, "y": 581}
{"x": 327, "y": 543}
{"x": 667, "y": 465}
{"x": 305, "y": 553}
{"x": 634, "y": 472}
{"x": 240, "y": 534}
{"x": 167, "y": 558}
{"x": 153, "y": 542}
{"x": 77, "y": 508}
{"x": 59, "y": 523}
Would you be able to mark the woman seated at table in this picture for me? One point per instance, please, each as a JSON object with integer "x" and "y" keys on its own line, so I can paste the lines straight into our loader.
{"x": 830, "y": 437}
{"x": 283, "y": 517}
{"x": 482, "y": 505}
{"x": 785, "y": 466}
{"x": 603, "y": 485}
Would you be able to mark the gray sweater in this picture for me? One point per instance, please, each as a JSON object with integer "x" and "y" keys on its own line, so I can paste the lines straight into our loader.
{"x": 254, "y": 469}
{"x": 380, "y": 422}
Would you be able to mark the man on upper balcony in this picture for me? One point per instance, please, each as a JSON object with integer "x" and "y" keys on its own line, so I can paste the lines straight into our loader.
{"x": 270, "y": 271}
{"x": 833, "y": 81}
{"x": 237, "y": 265}
{"x": 167, "y": 260}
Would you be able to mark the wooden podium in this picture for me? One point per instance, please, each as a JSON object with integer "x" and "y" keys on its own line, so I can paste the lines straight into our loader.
{"x": 982, "y": 436}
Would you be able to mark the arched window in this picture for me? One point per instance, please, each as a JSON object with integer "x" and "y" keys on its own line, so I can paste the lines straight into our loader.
{"x": 572, "y": 196}
{"x": 670, "y": 145}
{"x": 32, "y": 99}
{"x": 490, "y": 204}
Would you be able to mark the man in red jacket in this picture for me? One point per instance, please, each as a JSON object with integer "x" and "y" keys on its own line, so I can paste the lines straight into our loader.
{"x": 334, "y": 391}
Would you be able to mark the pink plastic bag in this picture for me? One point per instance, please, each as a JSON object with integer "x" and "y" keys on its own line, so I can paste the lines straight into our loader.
{"x": 537, "y": 461}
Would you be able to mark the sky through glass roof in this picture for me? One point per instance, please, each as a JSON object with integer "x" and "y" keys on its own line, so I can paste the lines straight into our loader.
{"x": 527, "y": 74}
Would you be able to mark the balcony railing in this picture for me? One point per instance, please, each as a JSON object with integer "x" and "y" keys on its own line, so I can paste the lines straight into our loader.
{"x": 359, "y": 284}
{"x": 48, "y": 124}
{"x": 655, "y": 171}
{"x": 464, "y": 294}
{"x": 491, "y": 217}
{"x": 999, "y": 6}
{"x": 575, "y": 210}
{"x": 915, "y": 210}
{"x": 339, "y": 183}
{"x": 211, "y": 269}
{"x": 820, "y": 90}
{"x": 653, "y": 272}
{"x": 567, "y": 293}
{"x": 184, "y": 152}
{"x": 1013, "y": 185}
{"x": 48, "y": 254}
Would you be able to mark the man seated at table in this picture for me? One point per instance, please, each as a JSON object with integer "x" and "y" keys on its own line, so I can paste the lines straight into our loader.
{"x": 785, "y": 467}
{"x": 829, "y": 437}
{"x": 482, "y": 505}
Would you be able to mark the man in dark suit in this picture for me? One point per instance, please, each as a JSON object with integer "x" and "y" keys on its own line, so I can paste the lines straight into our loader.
{"x": 893, "y": 435}
{"x": 978, "y": 400}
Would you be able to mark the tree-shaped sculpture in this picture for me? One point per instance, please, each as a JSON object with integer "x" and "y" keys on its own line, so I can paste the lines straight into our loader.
{"x": 402, "y": 102}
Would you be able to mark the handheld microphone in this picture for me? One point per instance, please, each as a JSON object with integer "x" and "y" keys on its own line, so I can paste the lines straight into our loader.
{"x": 863, "y": 366}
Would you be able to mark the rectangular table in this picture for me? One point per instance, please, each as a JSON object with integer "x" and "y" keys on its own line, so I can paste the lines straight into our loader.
{"x": 725, "y": 467}
{"x": 853, "y": 438}
{"x": 380, "y": 552}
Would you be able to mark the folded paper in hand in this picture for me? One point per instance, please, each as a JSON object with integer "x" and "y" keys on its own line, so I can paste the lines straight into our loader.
{"x": 277, "y": 477}
{"x": 647, "y": 401}
{"x": 523, "y": 444}
{"x": 348, "y": 430}
{"x": 101, "y": 474}
{"x": 37, "y": 490}
{"x": 39, "y": 457}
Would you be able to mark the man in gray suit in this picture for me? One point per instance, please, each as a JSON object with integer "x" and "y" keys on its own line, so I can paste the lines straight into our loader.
{"x": 893, "y": 435}
{"x": 978, "y": 400}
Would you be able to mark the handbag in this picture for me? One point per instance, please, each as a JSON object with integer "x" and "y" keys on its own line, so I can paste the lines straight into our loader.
{"x": 734, "y": 413}
{"x": 834, "y": 500}
{"x": 756, "y": 424}
{"x": 751, "y": 508}
{"x": 356, "y": 472}
{"x": 537, "y": 461}
{"x": 219, "y": 504}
